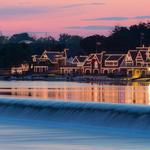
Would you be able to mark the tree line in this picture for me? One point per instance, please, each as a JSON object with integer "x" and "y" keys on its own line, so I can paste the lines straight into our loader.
{"x": 20, "y": 47}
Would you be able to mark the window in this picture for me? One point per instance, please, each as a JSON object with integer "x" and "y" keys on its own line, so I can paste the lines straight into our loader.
{"x": 115, "y": 63}
{"x": 129, "y": 64}
{"x": 139, "y": 64}
{"x": 111, "y": 63}
{"x": 96, "y": 65}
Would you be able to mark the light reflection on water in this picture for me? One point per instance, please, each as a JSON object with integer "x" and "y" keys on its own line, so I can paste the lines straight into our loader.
{"x": 134, "y": 93}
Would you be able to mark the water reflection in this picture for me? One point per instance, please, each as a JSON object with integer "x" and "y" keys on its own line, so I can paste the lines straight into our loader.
{"x": 69, "y": 91}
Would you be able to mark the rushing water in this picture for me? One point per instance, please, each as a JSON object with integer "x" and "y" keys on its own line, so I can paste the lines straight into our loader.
{"x": 60, "y": 116}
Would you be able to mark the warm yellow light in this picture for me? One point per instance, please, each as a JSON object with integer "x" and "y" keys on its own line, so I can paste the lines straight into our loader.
{"x": 136, "y": 73}
{"x": 148, "y": 69}
{"x": 149, "y": 94}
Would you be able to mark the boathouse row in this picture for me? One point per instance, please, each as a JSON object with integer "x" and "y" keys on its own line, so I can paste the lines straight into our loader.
{"x": 133, "y": 63}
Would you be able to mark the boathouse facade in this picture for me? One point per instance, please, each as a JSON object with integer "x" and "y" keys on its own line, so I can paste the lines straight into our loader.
{"x": 134, "y": 63}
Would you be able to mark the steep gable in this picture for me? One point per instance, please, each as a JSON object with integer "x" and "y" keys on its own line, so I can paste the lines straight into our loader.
{"x": 99, "y": 57}
{"x": 44, "y": 56}
{"x": 139, "y": 56}
{"x": 89, "y": 59}
{"x": 75, "y": 60}
{"x": 128, "y": 57}
{"x": 133, "y": 54}
{"x": 82, "y": 59}
{"x": 144, "y": 53}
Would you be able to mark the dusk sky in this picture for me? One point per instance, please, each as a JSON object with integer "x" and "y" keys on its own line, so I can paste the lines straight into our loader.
{"x": 83, "y": 17}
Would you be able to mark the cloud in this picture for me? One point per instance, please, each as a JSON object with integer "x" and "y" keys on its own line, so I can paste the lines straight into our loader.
{"x": 81, "y": 4}
{"x": 142, "y": 17}
{"x": 117, "y": 18}
{"x": 90, "y": 27}
{"x": 21, "y": 11}
{"x": 108, "y": 19}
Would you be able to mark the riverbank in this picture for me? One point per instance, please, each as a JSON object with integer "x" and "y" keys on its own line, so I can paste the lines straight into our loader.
{"x": 84, "y": 78}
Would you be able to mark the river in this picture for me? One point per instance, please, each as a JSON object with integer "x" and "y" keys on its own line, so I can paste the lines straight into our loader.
{"x": 74, "y": 116}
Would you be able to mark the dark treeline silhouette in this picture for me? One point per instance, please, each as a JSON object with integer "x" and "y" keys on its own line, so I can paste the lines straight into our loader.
{"x": 20, "y": 47}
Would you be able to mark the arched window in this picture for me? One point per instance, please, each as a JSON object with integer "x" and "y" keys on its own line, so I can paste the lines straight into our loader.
{"x": 88, "y": 72}
{"x": 96, "y": 72}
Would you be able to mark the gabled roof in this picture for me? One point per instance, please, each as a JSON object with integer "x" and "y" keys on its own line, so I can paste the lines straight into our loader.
{"x": 90, "y": 56}
{"x": 52, "y": 53}
{"x": 133, "y": 53}
{"x": 114, "y": 57}
{"x": 54, "y": 56}
{"x": 99, "y": 56}
{"x": 143, "y": 53}
{"x": 142, "y": 48}
{"x": 43, "y": 63}
{"x": 82, "y": 58}
{"x": 79, "y": 59}
{"x": 75, "y": 60}
{"x": 121, "y": 59}
{"x": 88, "y": 60}
{"x": 87, "y": 63}
{"x": 51, "y": 56}
{"x": 104, "y": 58}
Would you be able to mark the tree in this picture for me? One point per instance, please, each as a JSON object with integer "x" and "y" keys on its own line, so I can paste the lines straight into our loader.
{"x": 141, "y": 33}
{"x": 94, "y": 43}
{"x": 14, "y": 54}
{"x": 72, "y": 42}
{"x": 64, "y": 38}
{"x": 17, "y": 38}
{"x": 119, "y": 41}
{"x": 49, "y": 43}
{"x": 3, "y": 39}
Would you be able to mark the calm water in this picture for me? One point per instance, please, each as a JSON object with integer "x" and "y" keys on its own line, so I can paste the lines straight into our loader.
{"x": 71, "y": 91}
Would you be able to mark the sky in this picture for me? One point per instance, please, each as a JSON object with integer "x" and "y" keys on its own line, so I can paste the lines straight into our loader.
{"x": 77, "y": 17}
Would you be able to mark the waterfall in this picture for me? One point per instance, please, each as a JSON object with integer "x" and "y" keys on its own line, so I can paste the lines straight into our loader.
{"x": 92, "y": 114}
